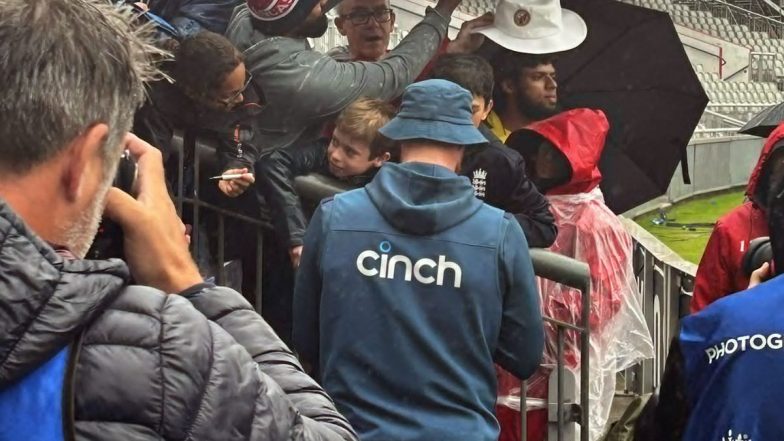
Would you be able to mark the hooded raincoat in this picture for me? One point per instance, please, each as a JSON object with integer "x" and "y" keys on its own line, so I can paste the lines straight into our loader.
{"x": 588, "y": 231}
{"x": 719, "y": 273}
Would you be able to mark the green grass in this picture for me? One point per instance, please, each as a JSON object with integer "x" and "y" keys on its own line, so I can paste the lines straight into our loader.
{"x": 690, "y": 242}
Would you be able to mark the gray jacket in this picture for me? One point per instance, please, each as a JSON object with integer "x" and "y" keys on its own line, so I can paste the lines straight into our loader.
{"x": 152, "y": 366}
{"x": 301, "y": 88}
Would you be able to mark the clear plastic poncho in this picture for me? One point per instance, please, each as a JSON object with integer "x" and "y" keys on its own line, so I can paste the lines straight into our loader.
{"x": 589, "y": 232}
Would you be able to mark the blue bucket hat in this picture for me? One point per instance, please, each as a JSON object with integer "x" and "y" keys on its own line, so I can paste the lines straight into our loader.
{"x": 436, "y": 110}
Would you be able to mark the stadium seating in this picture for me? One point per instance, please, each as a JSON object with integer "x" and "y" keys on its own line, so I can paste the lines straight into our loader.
{"x": 735, "y": 99}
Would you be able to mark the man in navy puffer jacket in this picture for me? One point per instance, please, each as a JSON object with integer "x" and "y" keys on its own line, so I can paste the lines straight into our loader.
{"x": 84, "y": 354}
{"x": 411, "y": 287}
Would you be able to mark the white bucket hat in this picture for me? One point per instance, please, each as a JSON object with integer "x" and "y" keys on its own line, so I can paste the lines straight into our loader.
{"x": 535, "y": 27}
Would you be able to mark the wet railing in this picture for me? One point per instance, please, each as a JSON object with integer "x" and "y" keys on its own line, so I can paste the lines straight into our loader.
{"x": 194, "y": 157}
{"x": 665, "y": 282}
{"x": 574, "y": 274}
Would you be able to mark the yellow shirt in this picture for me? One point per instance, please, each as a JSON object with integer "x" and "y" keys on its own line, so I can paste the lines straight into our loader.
{"x": 497, "y": 126}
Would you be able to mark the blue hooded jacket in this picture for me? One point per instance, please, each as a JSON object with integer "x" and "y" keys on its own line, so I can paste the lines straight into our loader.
{"x": 733, "y": 353}
{"x": 192, "y": 16}
{"x": 407, "y": 292}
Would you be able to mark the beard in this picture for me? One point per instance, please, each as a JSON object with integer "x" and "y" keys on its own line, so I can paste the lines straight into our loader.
{"x": 78, "y": 236}
{"x": 536, "y": 111}
{"x": 315, "y": 28}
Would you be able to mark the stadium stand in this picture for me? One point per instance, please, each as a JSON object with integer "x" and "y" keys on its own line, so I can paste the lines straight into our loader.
{"x": 733, "y": 101}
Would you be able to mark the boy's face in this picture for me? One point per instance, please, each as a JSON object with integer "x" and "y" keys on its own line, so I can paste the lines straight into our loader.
{"x": 349, "y": 157}
{"x": 547, "y": 162}
{"x": 480, "y": 108}
{"x": 547, "y": 167}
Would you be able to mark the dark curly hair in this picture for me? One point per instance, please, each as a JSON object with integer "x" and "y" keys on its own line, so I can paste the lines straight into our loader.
{"x": 202, "y": 63}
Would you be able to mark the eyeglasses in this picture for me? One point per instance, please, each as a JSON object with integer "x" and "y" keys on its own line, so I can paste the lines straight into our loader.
{"x": 228, "y": 102}
{"x": 362, "y": 17}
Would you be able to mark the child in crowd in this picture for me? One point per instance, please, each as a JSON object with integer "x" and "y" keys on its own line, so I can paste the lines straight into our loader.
{"x": 497, "y": 172}
{"x": 562, "y": 155}
{"x": 353, "y": 155}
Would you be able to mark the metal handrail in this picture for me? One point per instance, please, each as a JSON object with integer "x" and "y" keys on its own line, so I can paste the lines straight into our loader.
{"x": 726, "y": 118}
{"x": 749, "y": 18}
{"x": 186, "y": 145}
{"x": 738, "y": 9}
{"x": 574, "y": 274}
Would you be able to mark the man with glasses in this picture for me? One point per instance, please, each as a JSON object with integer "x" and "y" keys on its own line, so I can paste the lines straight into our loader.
{"x": 368, "y": 25}
{"x": 303, "y": 89}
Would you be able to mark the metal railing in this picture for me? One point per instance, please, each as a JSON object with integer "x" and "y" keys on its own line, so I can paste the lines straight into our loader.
{"x": 717, "y": 123}
{"x": 573, "y": 274}
{"x": 762, "y": 66}
{"x": 665, "y": 282}
{"x": 198, "y": 154}
{"x": 754, "y": 21}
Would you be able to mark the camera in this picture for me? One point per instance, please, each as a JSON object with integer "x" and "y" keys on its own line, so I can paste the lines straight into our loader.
{"x": 108, "y": 242}
{"x": 759, "y": 252}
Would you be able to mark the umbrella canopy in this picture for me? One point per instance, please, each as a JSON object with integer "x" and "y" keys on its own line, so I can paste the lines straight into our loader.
{"x": 632, "y": 66}
{"x": 764, "y": 122}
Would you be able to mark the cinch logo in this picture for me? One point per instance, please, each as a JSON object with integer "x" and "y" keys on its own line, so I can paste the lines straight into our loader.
{"x": 739, "y": 437}
{"x": 425, "y": 271}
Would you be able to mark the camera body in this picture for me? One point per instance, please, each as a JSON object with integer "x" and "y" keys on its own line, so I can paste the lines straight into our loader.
{"x": 108, "y": 242}
{"x": 760, "y": 251}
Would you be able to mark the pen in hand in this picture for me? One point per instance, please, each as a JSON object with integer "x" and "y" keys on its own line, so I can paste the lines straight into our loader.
{"x": 228, "y": 177}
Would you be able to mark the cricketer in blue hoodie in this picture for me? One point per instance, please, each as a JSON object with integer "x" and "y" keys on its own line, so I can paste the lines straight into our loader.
{"x": 410, "y": 288}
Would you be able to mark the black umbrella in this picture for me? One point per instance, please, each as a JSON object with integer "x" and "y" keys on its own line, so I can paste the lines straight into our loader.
{"x": 632, "y": 66}
{"x": 764, "y": 122}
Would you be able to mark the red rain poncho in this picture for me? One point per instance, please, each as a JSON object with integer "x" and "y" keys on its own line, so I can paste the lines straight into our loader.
{"x": 587, "y": 231}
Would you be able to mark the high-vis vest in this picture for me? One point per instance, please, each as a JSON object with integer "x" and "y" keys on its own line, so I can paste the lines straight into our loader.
{"x": 734, "y": 366}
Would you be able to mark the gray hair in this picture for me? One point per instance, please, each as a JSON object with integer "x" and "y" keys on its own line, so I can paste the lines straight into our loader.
{"x": 66, "y": 65}
{"x": 341, "y": 8}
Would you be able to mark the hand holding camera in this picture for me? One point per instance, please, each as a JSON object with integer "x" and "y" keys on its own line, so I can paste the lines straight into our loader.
{"x": 155, "y": 241}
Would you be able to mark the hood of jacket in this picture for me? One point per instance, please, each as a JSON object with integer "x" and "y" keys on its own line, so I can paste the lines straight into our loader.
{"x": 751, "y": 190}
{"x": 579, "y": 134}
{"x": 422, "y": 199}
{"x": 47, "y": 299}
{"x": 262, "y": 52}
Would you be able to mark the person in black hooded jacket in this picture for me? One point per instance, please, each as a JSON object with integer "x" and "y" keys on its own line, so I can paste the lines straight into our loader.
{"x": 166, "y": 358}
{"x": 497, "y": 172}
